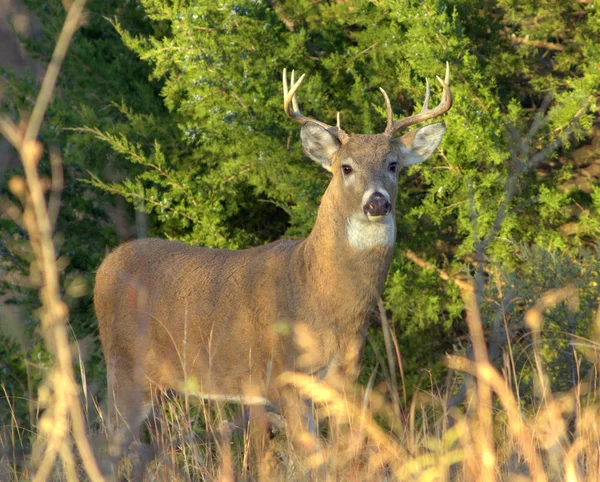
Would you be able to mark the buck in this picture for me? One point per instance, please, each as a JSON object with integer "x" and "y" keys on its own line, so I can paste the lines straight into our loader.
{"x": 221, "y": 323}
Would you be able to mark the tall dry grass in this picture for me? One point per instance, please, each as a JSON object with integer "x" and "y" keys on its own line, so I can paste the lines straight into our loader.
{"x": 365, "y": 433}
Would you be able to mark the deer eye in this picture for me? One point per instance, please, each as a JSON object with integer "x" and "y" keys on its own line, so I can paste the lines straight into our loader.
{"x": 346, "y": 169}
{"x": 393, "y": 166}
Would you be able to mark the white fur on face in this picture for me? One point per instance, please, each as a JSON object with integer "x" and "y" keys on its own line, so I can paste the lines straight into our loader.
{"x": 365, "y": 234}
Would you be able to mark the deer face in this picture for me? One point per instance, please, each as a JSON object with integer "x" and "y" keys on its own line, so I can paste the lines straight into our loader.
{"x": 365, "y": 175}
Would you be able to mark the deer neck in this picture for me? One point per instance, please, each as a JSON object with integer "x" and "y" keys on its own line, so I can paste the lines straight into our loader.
{"x": 337, "y": 265}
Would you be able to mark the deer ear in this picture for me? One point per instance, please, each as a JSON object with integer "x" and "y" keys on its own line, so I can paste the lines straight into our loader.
{"x": 418, "y": 145}
{"x": 318, "y": 144}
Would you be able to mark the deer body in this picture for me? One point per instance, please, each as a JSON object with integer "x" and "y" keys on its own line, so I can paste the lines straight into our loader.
{"x": 237, "y": 310}
{"x": 224, "y": 324}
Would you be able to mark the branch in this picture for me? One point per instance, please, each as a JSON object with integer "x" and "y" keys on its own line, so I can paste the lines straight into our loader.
{"x": 72, "y": 23}
{"x": 289, "y": 24}
{"x": 461, "y": 283}
{"x": 537, "y": 43}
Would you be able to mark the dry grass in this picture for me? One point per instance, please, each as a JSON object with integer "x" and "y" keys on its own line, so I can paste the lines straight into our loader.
{"x": 364, "y": 434}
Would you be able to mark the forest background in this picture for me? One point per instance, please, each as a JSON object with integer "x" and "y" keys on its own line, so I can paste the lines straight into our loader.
{"x": 168, "y": 115}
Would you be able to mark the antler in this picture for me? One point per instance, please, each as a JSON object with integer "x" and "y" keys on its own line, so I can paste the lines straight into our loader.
{"x": 426, "y": 113}
{"x": 289, "y": 97}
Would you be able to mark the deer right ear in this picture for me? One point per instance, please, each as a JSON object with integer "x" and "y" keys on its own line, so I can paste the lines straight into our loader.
{"x": 420, "y": 144}
{"x": 318, "y": 144}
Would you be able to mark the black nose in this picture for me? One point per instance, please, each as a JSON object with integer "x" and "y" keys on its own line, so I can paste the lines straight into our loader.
{"x": 377, "y": 205}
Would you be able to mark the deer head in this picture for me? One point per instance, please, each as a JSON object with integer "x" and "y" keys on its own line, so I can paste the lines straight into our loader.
{"x": 365, "y": 167}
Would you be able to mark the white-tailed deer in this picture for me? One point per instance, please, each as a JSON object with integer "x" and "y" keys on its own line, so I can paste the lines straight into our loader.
{"x": 222, "y": 323}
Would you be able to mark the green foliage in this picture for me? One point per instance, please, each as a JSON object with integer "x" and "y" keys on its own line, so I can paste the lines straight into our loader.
{"x": 176, "y": 107}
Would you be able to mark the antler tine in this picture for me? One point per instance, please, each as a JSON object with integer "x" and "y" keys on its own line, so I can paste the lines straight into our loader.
{"x": 446, "y": 80}
{"x": 427, "y": 96}
{"x": 390, "y": 114}
{"x": 285, "y": 85}
{"x": 427, "y": 113}
{"x": 447, "y": 76}
{"x": 341, "y": 134}
{"x": 289, "y": 97}
{"x": 294, "y": 98}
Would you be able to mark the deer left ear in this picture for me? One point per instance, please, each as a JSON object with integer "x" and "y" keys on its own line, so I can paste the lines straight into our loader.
{"x": 319, "y": 144}
{"x": 418, "y": 145}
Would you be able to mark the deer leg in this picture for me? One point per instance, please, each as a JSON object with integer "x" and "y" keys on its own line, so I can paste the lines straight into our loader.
{"x": 311, "y": 420}
{"x": 301, "y": 430}
{"x": 128, "y": 406}
{"x": 258, "y": 429}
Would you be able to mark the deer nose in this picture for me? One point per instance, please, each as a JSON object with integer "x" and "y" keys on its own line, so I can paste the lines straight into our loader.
{"x": 377, "y": 205}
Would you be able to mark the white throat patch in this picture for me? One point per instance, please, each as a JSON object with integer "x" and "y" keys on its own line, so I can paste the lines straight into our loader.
{"x": 364, "y": 234}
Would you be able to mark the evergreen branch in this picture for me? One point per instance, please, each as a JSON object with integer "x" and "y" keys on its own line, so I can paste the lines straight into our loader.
{"x": 95, "y": 181}
{"x": 123, "y": 146}
{"x": 578, "y": 114}
{"x": 289, "y": 24}
{"x": 241, "y": 102}
{"x": 173, "y": 182}
{"x": 119, "y": 143}
{"x": 539, "y": 121}
{"x": 542, "y": 44}
{"x": 354, "y": 57}
{"x": 460, "y": 282}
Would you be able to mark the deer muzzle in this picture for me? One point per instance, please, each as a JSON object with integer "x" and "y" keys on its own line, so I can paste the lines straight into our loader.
{"x": 378, "y": 205}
